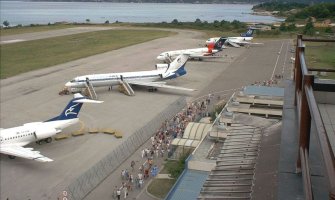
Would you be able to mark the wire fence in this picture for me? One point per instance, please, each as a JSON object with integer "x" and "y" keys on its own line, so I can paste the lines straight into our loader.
{"x": 90, "y": 179}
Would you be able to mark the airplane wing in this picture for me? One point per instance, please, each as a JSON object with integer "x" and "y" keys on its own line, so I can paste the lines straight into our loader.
{"x": 233, "y": 44}
{"x": 22, "y": 152}
{"x": 205, "y": 56}
{"x": 242, "y": 43}
{"x": 159, "y": 85}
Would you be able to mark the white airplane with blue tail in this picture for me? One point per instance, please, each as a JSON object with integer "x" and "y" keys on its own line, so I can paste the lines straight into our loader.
{"x": 242, "y": 40}
{"x": 14, "y": 139}
{"x": 152, "y": 79}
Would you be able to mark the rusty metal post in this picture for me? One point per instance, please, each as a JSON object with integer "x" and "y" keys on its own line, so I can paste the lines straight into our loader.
{"x": 305, "y": 119}
{"x": 297, "y": 68}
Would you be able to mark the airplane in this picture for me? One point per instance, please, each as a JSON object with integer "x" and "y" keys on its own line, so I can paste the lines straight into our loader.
{"x": 196, "y": 53}
{"x": 242, "y": 40}
{"x": 14, "y": 139}
{"x": 152, "y": 79}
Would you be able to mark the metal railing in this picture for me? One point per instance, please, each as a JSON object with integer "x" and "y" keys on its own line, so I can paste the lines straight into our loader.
{"x": 308, "y": 113}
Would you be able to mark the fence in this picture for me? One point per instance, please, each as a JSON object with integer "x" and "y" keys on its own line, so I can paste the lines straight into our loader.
{"x": 86, "y": 182}
{"x": 309, "y": 114}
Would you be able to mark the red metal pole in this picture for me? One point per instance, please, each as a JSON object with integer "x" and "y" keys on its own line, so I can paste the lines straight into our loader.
{"x": 305, "y": 120}
{"x": 297, "y": 68}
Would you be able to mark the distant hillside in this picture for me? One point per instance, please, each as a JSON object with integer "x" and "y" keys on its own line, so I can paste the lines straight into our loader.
{"x": 295, "y": 11}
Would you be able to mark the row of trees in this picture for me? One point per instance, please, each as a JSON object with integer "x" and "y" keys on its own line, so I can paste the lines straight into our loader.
{"x": 295, "y": 11}
{"x": 200, "y": 25}
{"x": 278, "y": 6}
{"x": 322, "y": 10}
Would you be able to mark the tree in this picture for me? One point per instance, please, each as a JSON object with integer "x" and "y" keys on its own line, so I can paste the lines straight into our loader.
{"x": 6, "y": 23}
{"x": 88, "y": 20}
{"x": 291, "y": 27}
{"x": 290, "y": 18}
{"x": 175, "y": 21}
{"x": 309, "y": 28}
{"x": 283, "y": 27}
{"x": 329, "y": 30}
{"x": 198, "y": 21}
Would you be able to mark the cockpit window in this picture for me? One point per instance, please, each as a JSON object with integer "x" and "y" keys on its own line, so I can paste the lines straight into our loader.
{"x": 72, "y": 81}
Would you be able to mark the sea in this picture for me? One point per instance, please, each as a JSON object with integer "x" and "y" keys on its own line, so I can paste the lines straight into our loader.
{"x": 37, "y": 12}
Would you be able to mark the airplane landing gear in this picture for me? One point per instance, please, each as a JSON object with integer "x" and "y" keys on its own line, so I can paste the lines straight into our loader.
{"x": 47, "y": 140}
{"x": 152, "y": 89}
{"x": 11, "y": 157}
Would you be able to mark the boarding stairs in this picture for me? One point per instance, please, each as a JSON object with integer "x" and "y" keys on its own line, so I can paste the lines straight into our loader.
{"x": 168, "y": 58}
{"x": 126, "y": 88}
{"x": 90, "y": 90}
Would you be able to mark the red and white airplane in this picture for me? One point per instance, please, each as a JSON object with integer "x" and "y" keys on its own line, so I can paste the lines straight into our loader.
{"x": 196, "y": 53}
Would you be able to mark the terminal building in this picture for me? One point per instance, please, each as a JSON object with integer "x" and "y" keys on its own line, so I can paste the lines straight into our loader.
{"x": 267, "y": 143}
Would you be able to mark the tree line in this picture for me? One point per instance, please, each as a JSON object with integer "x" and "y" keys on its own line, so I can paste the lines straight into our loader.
{"x": 299, "y": 10}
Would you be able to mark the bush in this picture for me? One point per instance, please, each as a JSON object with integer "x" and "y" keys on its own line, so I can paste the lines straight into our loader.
{"x": 6, "y": 23}
{"x": 175, "y": 168}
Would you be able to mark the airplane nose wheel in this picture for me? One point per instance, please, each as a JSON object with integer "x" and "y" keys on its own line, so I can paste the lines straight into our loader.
{"x": 48, "y": 140}
{"x": 39, "y": 142}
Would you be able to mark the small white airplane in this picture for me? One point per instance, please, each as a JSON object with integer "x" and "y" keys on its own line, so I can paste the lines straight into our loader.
{"x": 242, "y": 40}
{"x": 13, "y": 139}
{"x": 152, "y": 79}
{"x": 196, "y": 53}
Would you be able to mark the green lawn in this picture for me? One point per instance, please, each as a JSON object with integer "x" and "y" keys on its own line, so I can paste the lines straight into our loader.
{"x": 160, "y": 187}
{"x": 30, "y": 29}
{"x": 22, "y": 57}
{"x": 321, "y": 55}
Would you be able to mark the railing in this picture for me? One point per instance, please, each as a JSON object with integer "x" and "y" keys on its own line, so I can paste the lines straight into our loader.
{"x": 308, "y": 112}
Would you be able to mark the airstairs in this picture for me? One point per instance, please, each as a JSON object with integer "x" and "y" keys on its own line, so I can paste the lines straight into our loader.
{"x": 90, "y": 90}
{"x": 168, "y": 58}
{"x": 126, "y": 88}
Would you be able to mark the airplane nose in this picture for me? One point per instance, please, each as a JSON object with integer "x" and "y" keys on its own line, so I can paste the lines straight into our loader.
{"x": 68, "y": 84}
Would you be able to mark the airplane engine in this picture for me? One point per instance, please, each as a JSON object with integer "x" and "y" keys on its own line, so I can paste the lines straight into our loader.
{"x": 44, "y": 132}
{"x": 162, "y": 66}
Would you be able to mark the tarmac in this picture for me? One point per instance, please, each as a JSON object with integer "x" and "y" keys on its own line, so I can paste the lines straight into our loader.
{"x": 33, "y": 96}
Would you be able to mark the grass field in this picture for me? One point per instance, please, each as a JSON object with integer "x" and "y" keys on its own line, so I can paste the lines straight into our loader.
{"x": 30, "y": 29}
{"x": 160, "y": 187}
{"x": 321, "y": 55}
{"x": 26, "y": 56}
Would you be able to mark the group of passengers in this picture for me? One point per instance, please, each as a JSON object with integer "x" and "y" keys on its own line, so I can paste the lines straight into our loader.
{"x": 160, "y": 147}
{"x": 272, "y": 82}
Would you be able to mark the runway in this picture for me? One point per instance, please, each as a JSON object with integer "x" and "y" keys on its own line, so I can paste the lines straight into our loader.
{"x": 34, "y": 96}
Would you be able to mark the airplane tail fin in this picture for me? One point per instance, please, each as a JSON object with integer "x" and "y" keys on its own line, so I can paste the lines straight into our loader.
{"x": 249, "y": 33}
{"x": 176, "y": 67}
{"x": 72, "y": 109}
{"x": 219, "y": 45}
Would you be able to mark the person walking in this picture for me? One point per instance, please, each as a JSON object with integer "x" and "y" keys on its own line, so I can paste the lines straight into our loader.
{"x": 125, "y": 191}
{"x": 118, "y": 194}
{"x": 132, "y": 165}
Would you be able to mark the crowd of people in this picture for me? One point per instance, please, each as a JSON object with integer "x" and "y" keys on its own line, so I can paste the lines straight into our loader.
{"x": 160, "y": 147}
{"x": 274, "y": 81}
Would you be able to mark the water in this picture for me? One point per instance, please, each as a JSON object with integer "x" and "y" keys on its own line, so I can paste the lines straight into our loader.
{"x": 26, "y": 12}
